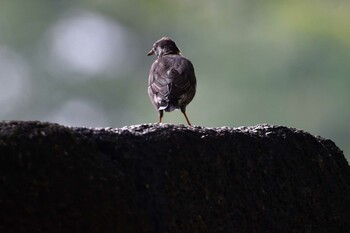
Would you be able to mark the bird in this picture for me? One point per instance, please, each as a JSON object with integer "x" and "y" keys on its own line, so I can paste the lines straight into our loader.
{"x": 172, "y": 80}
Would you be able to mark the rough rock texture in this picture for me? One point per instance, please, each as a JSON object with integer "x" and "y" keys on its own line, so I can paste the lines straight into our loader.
{"x": 170, "y": 178}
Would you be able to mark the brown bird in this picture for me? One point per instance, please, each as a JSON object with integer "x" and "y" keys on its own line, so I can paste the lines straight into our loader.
{"x": 172, "y": 81}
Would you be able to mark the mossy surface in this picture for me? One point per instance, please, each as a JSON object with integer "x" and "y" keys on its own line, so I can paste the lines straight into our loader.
{"x": 170, "y": 178}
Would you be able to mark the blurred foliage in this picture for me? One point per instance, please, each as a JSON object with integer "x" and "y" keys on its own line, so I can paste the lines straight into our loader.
{"x": 276, "y": 62}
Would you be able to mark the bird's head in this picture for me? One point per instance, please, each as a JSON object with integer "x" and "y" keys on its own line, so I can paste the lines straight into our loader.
{"x": 163, "y": 47}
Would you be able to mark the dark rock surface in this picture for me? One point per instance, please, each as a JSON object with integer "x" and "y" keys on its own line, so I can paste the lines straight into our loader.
{"x": 170, "y": 178}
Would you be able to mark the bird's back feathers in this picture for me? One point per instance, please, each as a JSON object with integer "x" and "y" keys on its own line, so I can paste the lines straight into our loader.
{"x": 172, "y": 82}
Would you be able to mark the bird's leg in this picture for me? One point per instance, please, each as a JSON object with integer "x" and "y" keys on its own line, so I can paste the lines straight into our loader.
{"x": 160, "y": 116}
{"x": 183, "y": 110}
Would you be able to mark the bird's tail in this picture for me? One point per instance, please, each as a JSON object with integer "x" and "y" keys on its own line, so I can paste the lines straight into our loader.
{"x": 167, "y": 106}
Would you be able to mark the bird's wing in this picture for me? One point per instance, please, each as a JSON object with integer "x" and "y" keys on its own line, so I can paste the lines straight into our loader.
{"x": 159, "y": 84}
{"x": 183, "y": 81}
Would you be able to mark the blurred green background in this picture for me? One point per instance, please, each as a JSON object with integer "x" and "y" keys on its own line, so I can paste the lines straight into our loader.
{"x": 84, "y": 63}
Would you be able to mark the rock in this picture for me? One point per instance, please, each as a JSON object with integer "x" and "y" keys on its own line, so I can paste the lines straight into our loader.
{"x": 170, "y": 178}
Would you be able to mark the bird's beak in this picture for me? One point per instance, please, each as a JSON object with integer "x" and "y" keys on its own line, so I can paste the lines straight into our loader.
{"x": 150, "y": 53}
